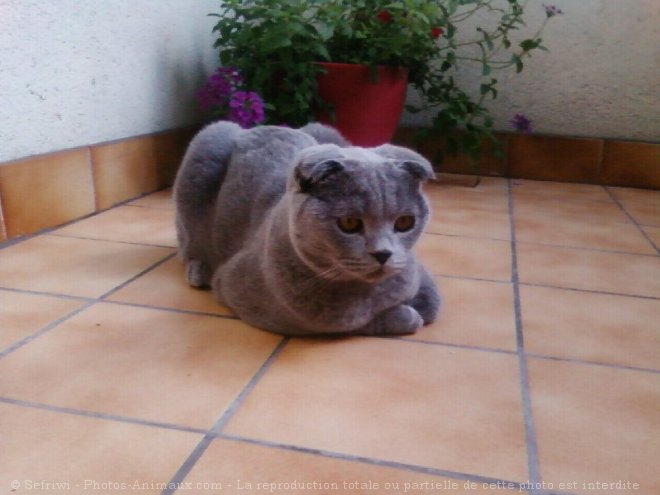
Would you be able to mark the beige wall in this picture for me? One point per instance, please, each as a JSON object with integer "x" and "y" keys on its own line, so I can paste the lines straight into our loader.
{"x": 601, "y": 77}
{"x": 78, "y": 72}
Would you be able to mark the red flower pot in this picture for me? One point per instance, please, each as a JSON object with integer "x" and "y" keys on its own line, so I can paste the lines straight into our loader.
{"x": 367, "y": 111}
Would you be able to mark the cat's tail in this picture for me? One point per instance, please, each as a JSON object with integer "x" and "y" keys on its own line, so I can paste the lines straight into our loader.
{"x": 197, "y": 184}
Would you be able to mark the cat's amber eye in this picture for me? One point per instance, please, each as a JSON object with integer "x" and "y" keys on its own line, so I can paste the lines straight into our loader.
{"x": 404, "y": 223}
{"x": 349, "y": 225}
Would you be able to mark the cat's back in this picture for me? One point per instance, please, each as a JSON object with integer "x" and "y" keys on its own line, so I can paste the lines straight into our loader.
{"x": 255, "y": 181}
{"x": 260, "y": 162}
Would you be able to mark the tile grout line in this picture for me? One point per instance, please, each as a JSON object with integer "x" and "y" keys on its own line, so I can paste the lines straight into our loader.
{"x": 590, "y": 291}
{"x": 368, "y": 460}
{"x": 45, "y": 329}
{"x": 48, "y": 230}
{"x": 548, "y": 244}
{"x": 3, "y": 223}
{"x": 172, "y": 310}
{"x": 452, "y": 345}
{"x": 584, "y": 248}
{"x": 187, "y": 466}
{"x": 473, "y": 237}
{"x": 240, "y": 398}
{"x": 47, "y": 294}
{"x": 153, "y": 266}
{"x": 467, "y": 277}
{"x": 89, "y": 302}
{"x": 92, "y": 173}
{"x": 632, "y": 219}
{"x": 263, "y": 443}
{"x": 82, "y": 299}
{"x": 496, "y": 350}
{"x": 623, "y": 367}
{"x": 92, "y": 301}
{"x": 99, "y": 415}
{"x": 528, "y": 419}
{"x": 88, "y": 238}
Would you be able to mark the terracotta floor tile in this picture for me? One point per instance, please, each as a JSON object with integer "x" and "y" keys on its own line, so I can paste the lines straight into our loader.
{"x": 466, "y": 257}
{"x": 451, "y": 199}
{"x": 413, "y": 400}
{"x": 245, "y": 468}
{"x": 23, "y": 314}
{"x": 560, "y": 209}
{"x": 470, "y": 222}
{"x": 648, "y": 196}
{"x": 474, "y": 313}
{"x": 644, "y": 213}
{"x": 566, "y": 190}
{"x": 161, "y": 199}
{"x": 430, "y": 400}
{"x": 590, "y": 270}
{"x": 446, "y": 196}
{"x": 153, "y": 226}
{"x": 161, "y": 366}
{"x": 77, "y": 267}
{"x": 596, "y": 424}
{"x": 567, "y": 232}
{"x": 591, "y": 327}
{"x": 50, "y": 447}
{"x": 165, "y": 287}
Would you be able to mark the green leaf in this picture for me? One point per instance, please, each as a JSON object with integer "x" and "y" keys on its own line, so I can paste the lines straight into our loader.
{"x": 275, "y": 40}
{"x": 530, "y": 44}
{"x": 325, "y": 31}
{"x": 519, "y": 63}
{"x": 485, "y": 69}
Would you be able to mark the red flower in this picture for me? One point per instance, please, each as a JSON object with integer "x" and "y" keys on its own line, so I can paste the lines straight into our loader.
{"x": 384, "y": 16}
{"x": 436, "y": 32}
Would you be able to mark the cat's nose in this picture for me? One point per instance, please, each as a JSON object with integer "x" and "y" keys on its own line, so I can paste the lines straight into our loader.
{"x": 381, "y": 256}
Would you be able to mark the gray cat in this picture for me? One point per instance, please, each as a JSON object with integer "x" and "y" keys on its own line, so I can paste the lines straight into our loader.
{"x": 301, "y": 234}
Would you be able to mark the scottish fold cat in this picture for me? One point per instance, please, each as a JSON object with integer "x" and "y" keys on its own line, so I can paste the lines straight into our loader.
{"x": 300, "y": 233}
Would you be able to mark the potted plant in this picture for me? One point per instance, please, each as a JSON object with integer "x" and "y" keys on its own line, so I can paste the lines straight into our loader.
{"x": 376, "y": 48}
{"x": 280, "y": 46}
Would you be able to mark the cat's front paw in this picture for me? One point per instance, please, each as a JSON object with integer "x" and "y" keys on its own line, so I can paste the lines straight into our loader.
{"x": 399, "y": 320}
{"x": 198, "y": 274}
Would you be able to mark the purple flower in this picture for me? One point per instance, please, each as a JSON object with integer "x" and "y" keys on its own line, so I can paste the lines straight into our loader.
{"x": 521, "y": 123}
{"x": 219, "y": 88}
{"x": 246, "y": 108}
{"x": 551, "y": 10}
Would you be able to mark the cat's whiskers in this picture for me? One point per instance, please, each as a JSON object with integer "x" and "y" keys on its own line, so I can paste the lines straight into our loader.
{"x": 319, "y": 280}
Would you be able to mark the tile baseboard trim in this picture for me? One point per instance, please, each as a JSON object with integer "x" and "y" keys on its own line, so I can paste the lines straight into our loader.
{"x": 607, "y": 162}
{"x": 64, "y": 186}
{"x": 67, "y": 185}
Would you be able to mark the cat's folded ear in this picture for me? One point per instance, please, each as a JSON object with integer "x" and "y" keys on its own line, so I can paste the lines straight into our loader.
{"x": 414, "y": 163}
{"x": 315, "y": 165}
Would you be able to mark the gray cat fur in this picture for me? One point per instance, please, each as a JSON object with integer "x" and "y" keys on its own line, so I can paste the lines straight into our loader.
{"x": 256, "y": 218}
